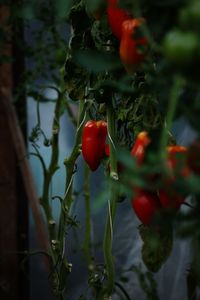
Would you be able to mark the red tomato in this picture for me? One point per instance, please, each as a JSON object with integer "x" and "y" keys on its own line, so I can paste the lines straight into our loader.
{"x": 116, "y": 16}
{"x": 132, "y": 48}
{"x": 141, "y": 142}
{"x": 107, "y": 150}
{"x": 170, "y": 199}
{"x": 146, "y": 205}
{"x": 176, "y": 159}
{"x": 93, "y": 143}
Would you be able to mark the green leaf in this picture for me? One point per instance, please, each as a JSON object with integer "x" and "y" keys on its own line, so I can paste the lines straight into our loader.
{"x": 93, "y": 5}
{"x": 156, "y": 248}
{"x": 63, "y": 8}
{"x": 76, "y": 78}
{"x": 96, "y": 61}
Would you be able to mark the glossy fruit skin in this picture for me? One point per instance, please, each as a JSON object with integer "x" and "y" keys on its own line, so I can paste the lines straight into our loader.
{"x": 141, "y": 143}
{"x": 146, "y": 205}
{"x": 132, "y": 48}
{"x": 169, "y": 197}
{"x": 93, "y": 142}
{"x": 116, "y": 16}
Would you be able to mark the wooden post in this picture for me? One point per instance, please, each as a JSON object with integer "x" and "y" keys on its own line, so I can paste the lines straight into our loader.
{"x": 16, "y": 185}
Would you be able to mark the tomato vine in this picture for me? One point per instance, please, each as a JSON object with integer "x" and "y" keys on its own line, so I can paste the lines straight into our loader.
{"x": 136, "y": 73}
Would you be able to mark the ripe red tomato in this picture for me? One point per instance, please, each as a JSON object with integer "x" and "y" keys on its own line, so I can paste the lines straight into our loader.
{"x": 93, "y": 142}
{"x": 141, "y": 142}
{"x": 177, "y": 159}
{"x": 146, "y": 205}
{"x": 177, "y": 164}
{"x": 116, "y": 16}
{"x": 132, "y": 48}
{"x": 170, "y": 199}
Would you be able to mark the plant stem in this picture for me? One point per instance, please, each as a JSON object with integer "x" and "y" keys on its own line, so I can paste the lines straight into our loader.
{"x": 123, "y": 290}
{"x": 172, "y": 105}
{"x": 70, "y": 113}
{"x": 53, "y": 166}
{"x": 108, "y": 237}
{"x": 48, "y": 175}
{"x": 70, "y": 167}
{"x": 87, "y": 237}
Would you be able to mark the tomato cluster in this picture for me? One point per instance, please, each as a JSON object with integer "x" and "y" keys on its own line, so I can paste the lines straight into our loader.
{"x": 180, "y": 163}
{"x": 147, "y": 204}
{"x": 128, "y": 30}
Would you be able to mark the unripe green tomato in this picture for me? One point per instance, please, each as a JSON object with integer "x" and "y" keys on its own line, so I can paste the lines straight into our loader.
{"x": 180, "y": 47}
{"x": 189, "y": 17}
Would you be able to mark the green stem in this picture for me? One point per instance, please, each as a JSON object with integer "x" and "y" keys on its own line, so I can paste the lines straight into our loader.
{"x": 87, "y": 237}
{"x": 123, "y": 290}
{"x": 49, "y": 173}
{"x": 53, "y": 166}
{"x": 108, "y": 237}
{"x": 70, "y": 113}
{"x": 172, "y": 105}
{"x": 70, "y": 166}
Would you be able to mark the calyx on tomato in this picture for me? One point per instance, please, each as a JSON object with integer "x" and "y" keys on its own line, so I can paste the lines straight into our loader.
{"x": 133, "y": 45}
{"x": 116, "y": 16}
{"x": 93, "y": 142}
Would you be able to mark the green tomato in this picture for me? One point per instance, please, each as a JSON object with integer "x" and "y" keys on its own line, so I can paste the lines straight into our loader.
{"x": 180, "y": 47}
{"x": 189, "y": 17}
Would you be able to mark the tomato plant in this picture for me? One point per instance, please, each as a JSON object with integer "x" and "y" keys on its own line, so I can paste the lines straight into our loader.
{"x": 131, "y": 69}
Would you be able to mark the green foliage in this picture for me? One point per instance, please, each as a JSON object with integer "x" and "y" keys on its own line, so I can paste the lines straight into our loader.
{"x": 145, "y": 100}
{"x": 156, "y": 248}
{"x": 147, "y": 283}
{"x": 96, "y": 61}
